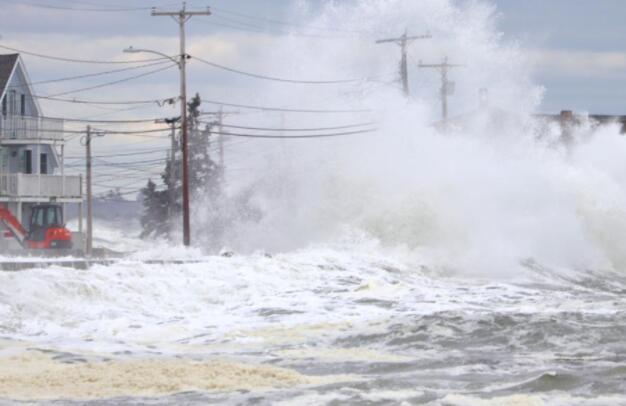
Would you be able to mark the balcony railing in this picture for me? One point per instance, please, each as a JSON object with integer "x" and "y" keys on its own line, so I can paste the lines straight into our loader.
{"x": 19, "y": 185}
{"x": 15, "y": 127}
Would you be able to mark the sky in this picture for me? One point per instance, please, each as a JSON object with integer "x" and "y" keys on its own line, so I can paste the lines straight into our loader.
{"x": 577, "y": 47}
{"x": 580, "y": 48}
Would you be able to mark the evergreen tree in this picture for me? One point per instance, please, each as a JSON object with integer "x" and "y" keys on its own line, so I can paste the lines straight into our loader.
{"x": 204, "y": 177}
{"x": 154, "y": 211}
{"x": 204, "y": 173}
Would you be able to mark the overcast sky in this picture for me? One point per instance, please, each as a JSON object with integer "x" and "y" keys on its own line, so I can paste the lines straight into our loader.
{"x": 578, "y": 49}
{"x": 580, "y": 44}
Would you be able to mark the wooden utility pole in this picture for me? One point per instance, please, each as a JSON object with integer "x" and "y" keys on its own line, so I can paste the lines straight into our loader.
{"x": 220, "y": 140}
{"x": 172, "y": 175}
{"x": 447, "y": 87}
{"x": 403, "y": 41}
{"x": 181, "y": 17}
{"x": 89, "y": 239}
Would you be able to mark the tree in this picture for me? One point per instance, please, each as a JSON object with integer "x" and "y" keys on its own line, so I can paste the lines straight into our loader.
{"x": 204, "y": 173}
{"x": 204, "y": 177}
{"x": 154, "y": 211}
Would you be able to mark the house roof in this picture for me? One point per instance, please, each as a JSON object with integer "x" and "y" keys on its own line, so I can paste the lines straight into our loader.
{"x": 7, "y": 64}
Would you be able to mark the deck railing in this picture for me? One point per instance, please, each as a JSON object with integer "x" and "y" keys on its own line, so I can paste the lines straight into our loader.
{"x": 15, "y": 127}
{"x": 19, "y": 185}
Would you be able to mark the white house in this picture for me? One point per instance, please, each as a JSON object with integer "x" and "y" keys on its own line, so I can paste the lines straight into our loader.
{"x": 31, "y": 163}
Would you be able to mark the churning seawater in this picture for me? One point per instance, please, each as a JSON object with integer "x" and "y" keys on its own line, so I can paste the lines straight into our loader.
{"x": 483, "y": 266}
{"x": 340, "y": 325}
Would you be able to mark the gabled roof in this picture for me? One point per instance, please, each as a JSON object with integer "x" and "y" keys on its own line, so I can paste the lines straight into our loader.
{"x": 7, "y": 65}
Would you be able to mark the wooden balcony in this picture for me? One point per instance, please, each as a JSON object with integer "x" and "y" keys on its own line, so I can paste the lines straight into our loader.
{"x": 20, "y": 186}
{"x": 25, "y": 129}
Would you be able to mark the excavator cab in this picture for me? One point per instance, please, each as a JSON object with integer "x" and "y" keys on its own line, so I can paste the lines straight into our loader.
{"x": 46, "y": 228}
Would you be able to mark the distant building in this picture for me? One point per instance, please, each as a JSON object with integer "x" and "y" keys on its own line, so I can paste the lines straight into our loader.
{"x": 31, "y": 162}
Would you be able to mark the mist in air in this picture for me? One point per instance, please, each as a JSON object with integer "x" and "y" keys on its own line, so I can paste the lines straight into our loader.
{"x": 493, "y": 191}
{"x": 475, "y": 262}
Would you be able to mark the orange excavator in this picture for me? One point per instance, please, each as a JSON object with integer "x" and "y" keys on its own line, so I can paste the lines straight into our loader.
{"x": 46, "y": 229}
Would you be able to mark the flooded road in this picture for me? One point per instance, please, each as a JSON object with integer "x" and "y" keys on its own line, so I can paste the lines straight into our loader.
{"x": 317, "y": 326}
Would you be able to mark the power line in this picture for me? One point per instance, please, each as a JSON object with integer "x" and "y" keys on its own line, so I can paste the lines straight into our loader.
{"x": 110, "y": 132}
{"x": 276, "y": 79}
{"x": 152, "y": 151}
{"x": 132, "y": 163}
{"x": 258, "y": 30}
{"x": 285, "y": 110}
{"x": 159, "y": 102}
{"x": 107, "y": 112}
{"x": 113, "y": 82}
{"x": 114, "y": 177}
{"x": 55, "y": 7}
{"x": 297, "y": 129}
{"x": 297, "y": 136}
{"x": 82, "y": 120}
{"x": 116, "y": 132}
{"x": 285, "y": 23}
{"x": 62, "y": 59}
{"x": 98, "y": 4}
{"x": 89, "y": 75}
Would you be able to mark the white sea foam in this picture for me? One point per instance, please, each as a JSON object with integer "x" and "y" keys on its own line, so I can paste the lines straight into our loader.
{"x": 484, "y": 253}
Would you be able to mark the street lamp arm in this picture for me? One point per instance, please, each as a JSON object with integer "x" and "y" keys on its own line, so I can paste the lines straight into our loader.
{"x": 131, "y": 50}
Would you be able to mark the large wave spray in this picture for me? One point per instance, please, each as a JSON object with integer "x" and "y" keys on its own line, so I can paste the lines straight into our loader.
{"x": 484, "y": 197}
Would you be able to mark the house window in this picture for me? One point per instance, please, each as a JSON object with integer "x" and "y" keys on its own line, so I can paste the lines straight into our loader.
{"x": 43, "y": 164}
{"x": 23, "y": 104}
{"x": 12, "y": 102}
{"x": 28, "y": 161}
{"x": 4, "y": 106}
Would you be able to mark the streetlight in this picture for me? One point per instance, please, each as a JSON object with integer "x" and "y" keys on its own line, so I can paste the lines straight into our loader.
{"x": 184, "y": 142}
{"x": 86, "y": 141}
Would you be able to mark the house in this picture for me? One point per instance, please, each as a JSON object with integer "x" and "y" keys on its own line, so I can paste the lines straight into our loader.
{"x": 31, "y": 148}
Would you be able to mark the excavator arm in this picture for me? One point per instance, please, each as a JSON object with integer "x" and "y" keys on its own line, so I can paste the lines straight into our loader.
{"x": 15, "y": 227}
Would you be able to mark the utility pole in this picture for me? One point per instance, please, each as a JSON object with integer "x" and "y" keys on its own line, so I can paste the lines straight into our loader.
{"x": 181, "y": 17}
{"x": 404, "y": 41}
{"x": 89, "y": 240}
{"x": 447, "y": 87}
{"x": 172, "y": 181}
{"x": 220, "y": 140}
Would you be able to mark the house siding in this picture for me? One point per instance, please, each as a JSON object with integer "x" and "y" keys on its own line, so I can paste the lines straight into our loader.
{"x": 18, "y": 86}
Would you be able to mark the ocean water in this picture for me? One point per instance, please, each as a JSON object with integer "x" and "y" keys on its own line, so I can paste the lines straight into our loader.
{"x": 323, "y": 325}
{"x": 480, "y": 266}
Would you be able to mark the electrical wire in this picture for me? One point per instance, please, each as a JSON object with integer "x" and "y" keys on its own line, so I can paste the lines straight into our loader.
{"x": 152, "y": 151}
{"x": 159, "y": 102}
{"x": 55, "y": 7}
{"x": 273, "y": 78}
{"x": 89, "y": 75}
{"x": 115, "y": 132}
{"x": 297, "y": 136}
{"x": 129, "y": 164}
{"x": 109, "y": 132}
{"x": 285, "y": 23}
{"x": 62, "y": 59}
{"x": 295, "y": 129}
{"x": 115, "y": 82}
{"x": 108, "y": 111}
{"x": 285, "y": 110}
{"x": 103, "y": 122}
{"x": 252, "y": 29}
